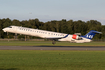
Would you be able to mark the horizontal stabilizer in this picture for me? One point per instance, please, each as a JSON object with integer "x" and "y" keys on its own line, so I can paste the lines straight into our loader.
{"x": 96, "y": 32}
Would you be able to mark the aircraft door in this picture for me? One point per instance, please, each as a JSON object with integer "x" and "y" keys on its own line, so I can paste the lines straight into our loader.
{"x": 14, "y": 29}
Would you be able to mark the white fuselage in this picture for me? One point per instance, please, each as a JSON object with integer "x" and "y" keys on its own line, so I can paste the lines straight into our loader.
{"x": 43, "y": 34}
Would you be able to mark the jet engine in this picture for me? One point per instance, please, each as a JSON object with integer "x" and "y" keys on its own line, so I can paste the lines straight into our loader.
{"x": 75, "y": 36}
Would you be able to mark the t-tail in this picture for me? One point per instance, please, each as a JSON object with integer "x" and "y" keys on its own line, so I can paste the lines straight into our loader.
{"x": 91, "y": 34}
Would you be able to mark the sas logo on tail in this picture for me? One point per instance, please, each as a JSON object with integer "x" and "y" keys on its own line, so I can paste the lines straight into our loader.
{"x": 89, "y": 36}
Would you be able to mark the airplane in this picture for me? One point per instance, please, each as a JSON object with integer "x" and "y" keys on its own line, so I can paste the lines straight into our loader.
{"x": 54, "y": 36}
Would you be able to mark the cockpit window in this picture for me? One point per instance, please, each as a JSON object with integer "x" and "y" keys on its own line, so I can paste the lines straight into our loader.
{"x": 9, "y": 27}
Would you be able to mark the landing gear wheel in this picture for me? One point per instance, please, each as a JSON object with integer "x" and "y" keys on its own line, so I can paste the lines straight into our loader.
{"x": 15, "y": 35}
{"x": 53, "y": 42}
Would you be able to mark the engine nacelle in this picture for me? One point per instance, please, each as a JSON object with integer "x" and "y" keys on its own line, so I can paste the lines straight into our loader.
{"x": 75, "y": 36}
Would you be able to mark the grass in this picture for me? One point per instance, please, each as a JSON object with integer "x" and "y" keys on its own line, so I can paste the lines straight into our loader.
{"x": 51, "y": 60}
{"x": 48, "y": 43}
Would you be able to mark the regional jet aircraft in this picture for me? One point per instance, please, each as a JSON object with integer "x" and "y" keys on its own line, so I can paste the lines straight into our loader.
{"x": 55, "y": 36}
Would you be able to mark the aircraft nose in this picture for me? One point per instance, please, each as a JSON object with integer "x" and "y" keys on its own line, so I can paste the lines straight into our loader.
{"x": 4, "y": 30}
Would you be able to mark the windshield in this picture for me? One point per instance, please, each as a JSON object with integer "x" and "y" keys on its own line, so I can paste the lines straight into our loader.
{"x": 9, "y": 27}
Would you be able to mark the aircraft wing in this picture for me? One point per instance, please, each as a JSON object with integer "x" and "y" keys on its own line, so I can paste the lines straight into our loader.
{"x": 55, "y": 38}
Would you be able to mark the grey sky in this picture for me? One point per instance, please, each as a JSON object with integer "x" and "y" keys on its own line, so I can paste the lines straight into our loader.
{"x": 47, "y": 10}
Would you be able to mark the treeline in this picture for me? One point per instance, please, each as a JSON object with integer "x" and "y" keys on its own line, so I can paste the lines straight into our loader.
{"x": 63, "y": 26}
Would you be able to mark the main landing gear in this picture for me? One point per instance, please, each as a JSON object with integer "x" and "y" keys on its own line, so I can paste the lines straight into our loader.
{"x": 53, "y": 42}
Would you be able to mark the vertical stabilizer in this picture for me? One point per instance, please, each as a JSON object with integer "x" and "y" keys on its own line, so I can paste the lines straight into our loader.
{"x": 91, "y": 34}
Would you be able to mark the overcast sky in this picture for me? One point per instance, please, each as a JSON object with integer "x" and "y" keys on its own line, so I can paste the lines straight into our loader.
{"x": 47, "y": 10}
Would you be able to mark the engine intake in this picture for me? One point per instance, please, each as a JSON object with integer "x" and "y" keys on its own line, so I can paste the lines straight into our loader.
{"x": 75, "y": 36}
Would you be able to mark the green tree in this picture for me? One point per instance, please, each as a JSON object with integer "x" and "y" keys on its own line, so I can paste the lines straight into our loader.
{"x": 16, "y": 22}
